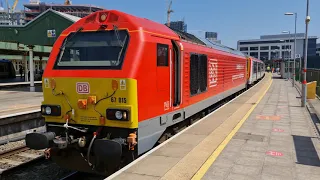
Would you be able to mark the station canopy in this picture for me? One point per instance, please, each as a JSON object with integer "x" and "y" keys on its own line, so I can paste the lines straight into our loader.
{"x": 42, "y": 31}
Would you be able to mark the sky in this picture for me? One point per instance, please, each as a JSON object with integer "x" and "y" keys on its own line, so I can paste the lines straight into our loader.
{"x": 233, "y": 20}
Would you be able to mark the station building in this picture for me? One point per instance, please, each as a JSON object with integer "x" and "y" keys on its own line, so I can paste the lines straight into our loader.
{"x": 279, "y": 46}
{"x": 17, "y": 52}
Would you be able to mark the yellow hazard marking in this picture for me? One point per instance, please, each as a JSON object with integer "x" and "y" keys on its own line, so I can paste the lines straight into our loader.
{"x": 204, "y": 168}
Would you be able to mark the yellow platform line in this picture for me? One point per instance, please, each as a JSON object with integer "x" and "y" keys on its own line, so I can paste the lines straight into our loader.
{"x": 204, "y": 168}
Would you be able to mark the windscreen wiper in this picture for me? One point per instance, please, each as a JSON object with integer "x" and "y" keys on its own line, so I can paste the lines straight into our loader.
{"x": 67, "y": 39}
{"x": 115, "y": 28}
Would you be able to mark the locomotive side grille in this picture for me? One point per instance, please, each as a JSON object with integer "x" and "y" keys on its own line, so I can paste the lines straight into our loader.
{"x": 194, "y": 74}
{"x": 198, "y": 73}
{"x": 203, "y": 73}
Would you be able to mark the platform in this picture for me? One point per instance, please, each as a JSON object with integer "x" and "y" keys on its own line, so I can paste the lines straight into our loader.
{"x": 262, "y": 134}
{"x": 18, "y": 84}
{"x": 19, "y": 100}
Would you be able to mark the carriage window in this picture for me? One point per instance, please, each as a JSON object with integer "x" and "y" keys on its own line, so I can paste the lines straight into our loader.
{"x": 2, "y": 67}
{"x": 254, "y": 67}
{"x": 162, "y": 55}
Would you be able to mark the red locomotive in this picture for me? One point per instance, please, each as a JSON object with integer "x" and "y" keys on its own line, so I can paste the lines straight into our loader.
{"x": 115, "y": 84}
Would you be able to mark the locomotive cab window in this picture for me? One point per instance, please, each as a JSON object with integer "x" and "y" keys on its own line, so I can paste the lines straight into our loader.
{"x": 162, "y": 55}
{"x": 93, "y": 50}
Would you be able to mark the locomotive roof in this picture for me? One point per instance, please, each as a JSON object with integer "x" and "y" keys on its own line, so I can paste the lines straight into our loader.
{"x": 158, "y": 28}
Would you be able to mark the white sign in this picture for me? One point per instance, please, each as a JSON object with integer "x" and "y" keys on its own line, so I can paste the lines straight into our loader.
{"x": 166, "y": 105}
{"x": 239, "y": 66}
{"x": 213, "y": 72}
{"x": 237, "y": 76}
{"x": 51, "y": 33}
{"x": 123, "y": 85}
{"x": 46, "y": 82}
{"x": 83, "y": 88}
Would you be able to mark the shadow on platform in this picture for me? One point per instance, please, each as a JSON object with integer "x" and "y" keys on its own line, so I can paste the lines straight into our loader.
{"x": 277, "y": 77}
{"x": 11, "y": 80}
{"x": 306, "y": 153}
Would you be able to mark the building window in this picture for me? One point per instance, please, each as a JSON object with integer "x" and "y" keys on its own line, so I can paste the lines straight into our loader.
{"x": 264, "y": 55}
{"x": 162, "y": 55}
{"x": 198, "y": 74}
{"x": 263, "y": 42}
{"x": 254, "y": 48}
{"x": 275, "y": 55}
{"x": 254, "y": 54}
{"x": 275, "y": 47}
{"x": 264, "y": 47}
{"x": 286, "y": 54}
{"x": 286, "y": 47}
{"x": 244, "y": 48}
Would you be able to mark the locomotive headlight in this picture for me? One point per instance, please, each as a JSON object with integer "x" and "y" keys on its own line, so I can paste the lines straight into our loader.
{"x": 118, "y": 114}
{"x": 48, "y": 110}
{"x": 51, "y": 110}
{"x": 103, "y": 17}
{"x": 124, "y": 115}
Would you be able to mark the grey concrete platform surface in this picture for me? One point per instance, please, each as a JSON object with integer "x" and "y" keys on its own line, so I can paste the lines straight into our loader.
{"x": 279, "y": 140}
{"x": 17, "y": 100}
{"x": 181, "y": 156}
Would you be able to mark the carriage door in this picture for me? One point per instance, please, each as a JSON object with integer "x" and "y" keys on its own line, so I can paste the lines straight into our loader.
{"x": 176, "y": 74}
{"x": 163, "y": 74}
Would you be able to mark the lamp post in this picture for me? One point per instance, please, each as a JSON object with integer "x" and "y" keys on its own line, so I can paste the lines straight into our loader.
{"x": 288, "y": 53}
{"x": 295, "y": 41}
{"x": 304, "y": 82}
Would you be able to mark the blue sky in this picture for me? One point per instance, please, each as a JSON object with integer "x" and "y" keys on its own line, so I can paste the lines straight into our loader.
{"x": 233, "y": 19}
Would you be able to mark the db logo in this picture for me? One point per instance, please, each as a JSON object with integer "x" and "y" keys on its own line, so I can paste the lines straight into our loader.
{"x": 83, "y": 88}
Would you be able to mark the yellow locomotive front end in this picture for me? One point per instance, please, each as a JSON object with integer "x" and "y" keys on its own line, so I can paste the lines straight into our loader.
{"x": 91, "y": 123}
{"x": 107, "y": 102}
{"x": 90, "y": 99}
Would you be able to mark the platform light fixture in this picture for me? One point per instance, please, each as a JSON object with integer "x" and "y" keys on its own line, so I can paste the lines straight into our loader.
{"x": 295, "y": 42}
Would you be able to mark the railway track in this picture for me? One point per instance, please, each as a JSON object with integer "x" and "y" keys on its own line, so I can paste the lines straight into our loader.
{"x": 16, "y": 155}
